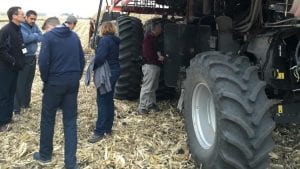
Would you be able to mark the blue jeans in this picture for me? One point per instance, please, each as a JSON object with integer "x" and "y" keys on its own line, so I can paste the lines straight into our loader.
{"x": 8, "y": 85}
{"x": 105, "y": 103}
{"x": 55, "y": 96}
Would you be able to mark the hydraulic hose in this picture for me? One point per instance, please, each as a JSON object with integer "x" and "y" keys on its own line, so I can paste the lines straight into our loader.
{"x": 248, "y": 18}
{"x": 297, "y": 53}
{"x": 257, "y": 9}
{"x": 97, "y": 24}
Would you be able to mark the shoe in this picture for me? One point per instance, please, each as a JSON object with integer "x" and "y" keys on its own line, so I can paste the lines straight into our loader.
{"x": 108, "y": 133}
{"x": 17, "y": 116}
{"x": 17, "y": 111}
{"x": 154, "y": 107}
{"x": 95, "y": 138}
{"x": 5, "y": 128}
{"x": 41, "y": 160}
{"x": 143, "y": 111}
{"x": 27, "y": 106}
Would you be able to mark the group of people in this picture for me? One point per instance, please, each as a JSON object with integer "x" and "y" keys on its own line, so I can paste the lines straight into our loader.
{"x": 61, "y": 63}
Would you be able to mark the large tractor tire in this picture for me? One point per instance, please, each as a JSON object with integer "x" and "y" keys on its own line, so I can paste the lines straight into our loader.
{"x": 227, "y": 113}
{"x": 130, "y": 31}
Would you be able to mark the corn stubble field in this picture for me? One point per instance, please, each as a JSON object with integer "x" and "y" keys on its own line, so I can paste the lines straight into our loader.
{"x": 153, "y": 141}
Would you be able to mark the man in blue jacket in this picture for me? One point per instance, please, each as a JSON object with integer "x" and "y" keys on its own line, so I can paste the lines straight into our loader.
{"x": 61, "y": 63}
{"x": 31, "y": 36}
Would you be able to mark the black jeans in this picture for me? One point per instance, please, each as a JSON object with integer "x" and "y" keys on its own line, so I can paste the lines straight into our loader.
{"x": 8, "y": 83}
{"x": 24, "y": 84}
{"x": 64, "y": 96}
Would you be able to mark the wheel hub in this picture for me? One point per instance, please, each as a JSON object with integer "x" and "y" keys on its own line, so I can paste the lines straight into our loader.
{"x": 204, "y": 115}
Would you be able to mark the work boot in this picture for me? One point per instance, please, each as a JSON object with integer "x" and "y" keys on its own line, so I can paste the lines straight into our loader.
{"x": 95, "y": 138}
{"x": 154, "y": 107}
{"x": 143, "y": 111}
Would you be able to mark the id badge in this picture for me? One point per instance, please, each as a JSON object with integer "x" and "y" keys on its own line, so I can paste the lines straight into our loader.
{"x": 24, "y": 50}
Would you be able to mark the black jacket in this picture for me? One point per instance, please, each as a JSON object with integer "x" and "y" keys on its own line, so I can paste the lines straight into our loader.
{"x": 11, "y": 45}
{"x": 107, "y": 49}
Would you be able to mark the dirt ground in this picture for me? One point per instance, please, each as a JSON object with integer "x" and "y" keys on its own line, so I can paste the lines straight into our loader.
{"x": 154, "y": 141}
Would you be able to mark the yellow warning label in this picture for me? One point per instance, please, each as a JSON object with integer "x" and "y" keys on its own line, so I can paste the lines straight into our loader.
{"x": 280, "y": 109}
{"x": 280, "y": 75}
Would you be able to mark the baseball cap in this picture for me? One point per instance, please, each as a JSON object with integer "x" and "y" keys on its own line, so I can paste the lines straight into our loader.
{"x": 71, "y": 19}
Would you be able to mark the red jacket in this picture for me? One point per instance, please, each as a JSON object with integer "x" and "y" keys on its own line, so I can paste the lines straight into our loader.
{"x": 150, "y": 49}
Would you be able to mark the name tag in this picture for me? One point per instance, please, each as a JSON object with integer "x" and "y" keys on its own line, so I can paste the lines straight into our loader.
{"x": 24, "y": 50}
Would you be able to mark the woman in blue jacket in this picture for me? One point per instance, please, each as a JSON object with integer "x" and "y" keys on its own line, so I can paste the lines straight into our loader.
{"x": 107, "y": 50}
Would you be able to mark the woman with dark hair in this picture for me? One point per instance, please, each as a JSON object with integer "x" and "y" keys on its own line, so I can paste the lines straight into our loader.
{"x": 107, "y": 50}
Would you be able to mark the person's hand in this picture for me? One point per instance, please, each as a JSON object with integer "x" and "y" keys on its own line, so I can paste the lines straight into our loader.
{"x": 296, "y": 8}
{"x": 161, "y": 58}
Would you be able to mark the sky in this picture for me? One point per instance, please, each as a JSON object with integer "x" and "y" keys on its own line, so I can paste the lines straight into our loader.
{"x": 82, "y": 8}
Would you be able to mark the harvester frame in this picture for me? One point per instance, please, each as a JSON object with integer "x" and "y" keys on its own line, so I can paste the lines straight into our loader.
{"x": 241, "y": 71}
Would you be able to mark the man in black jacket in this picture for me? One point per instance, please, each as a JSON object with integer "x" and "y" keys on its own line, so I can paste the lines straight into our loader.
{"x": 12, "y": 50}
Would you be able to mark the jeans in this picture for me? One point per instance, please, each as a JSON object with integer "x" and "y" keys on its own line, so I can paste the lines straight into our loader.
{"x": 8, "y": 83}
{"x": 105, "y": 103}
{"x": 24, "y": 84}
{"x": 64, "y": 96}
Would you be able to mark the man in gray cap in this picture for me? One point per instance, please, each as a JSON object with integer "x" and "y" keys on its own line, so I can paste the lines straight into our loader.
{"x": 71, "y": 22}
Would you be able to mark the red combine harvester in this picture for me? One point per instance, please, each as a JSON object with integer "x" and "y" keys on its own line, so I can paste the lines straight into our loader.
{"x": 235, "y": 62}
